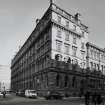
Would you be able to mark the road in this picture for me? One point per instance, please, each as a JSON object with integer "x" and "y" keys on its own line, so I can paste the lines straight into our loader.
{"x": 16, "y": 100}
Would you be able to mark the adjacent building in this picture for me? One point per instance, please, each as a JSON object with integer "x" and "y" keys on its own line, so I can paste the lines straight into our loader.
{"x": 95, "y": 58}
{"x": 57, "y": 56}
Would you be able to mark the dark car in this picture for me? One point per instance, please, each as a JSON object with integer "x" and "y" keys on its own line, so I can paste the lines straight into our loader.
{"x": 20, "y": 93}
{"x": 54, "y": 95}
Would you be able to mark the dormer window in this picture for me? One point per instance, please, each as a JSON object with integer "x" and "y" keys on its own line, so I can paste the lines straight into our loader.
{"x": 67, "y": 24}
{"x": 59, "y": 19}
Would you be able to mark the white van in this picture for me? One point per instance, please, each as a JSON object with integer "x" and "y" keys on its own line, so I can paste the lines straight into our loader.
{"x": 30, "y": 93}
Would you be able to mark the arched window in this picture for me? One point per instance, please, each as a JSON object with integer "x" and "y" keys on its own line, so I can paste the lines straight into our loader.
{"x": 57, "y": 57}
{"x": 69, "y": 60}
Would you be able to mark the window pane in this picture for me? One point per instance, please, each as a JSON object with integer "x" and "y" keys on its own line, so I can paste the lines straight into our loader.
{"x": 74, "y": 50}
{"x": 59, "y": 19}
{"x": 67, "y": 36}
{"x": 59, "y": 33}
{"x": 74, "y": 39}
{"x": 82, "y": 55}
{"x": 58, "y": 46}
{"x": 67, "y": 24}
{"x": 67, "y": 49}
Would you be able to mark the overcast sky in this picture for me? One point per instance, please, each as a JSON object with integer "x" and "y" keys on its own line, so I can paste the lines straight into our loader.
{"x": 17, "y": 21}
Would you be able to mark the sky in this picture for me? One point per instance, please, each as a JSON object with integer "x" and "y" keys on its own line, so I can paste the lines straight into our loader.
{"x": 17, "y": 21}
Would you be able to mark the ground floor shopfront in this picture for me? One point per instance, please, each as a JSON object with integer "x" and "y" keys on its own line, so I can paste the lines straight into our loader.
{"x": 68, "y": 79}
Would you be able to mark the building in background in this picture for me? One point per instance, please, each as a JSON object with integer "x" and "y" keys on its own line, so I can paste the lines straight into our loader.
{"x": 56, "y": 57}
{"x": 5, "y": 86}
{"x": 5, "y": 76}
{"x": 95, "y": 58}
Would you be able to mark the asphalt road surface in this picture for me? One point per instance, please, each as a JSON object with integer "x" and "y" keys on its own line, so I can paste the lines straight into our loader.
{"x": 16, "y": 100}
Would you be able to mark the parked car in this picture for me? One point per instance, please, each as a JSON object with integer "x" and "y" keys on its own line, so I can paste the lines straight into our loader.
{"x": 20, "y": 93}
{"x": 54, "y": 95}
{"x": 30, "y": 93}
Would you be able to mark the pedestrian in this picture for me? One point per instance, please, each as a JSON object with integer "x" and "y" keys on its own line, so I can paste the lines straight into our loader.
{"x": 87, "y": 98}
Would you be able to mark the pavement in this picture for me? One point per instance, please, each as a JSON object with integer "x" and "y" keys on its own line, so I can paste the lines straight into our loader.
{"x": 16, "y": 100}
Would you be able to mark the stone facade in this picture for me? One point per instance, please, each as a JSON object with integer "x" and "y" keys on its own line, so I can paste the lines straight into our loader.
{"x": 69, "y": 37}
{"x": 55, "y": 57}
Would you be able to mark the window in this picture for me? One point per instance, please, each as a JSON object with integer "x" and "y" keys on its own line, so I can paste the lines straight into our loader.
{"x": 46, "y": 77}
{"x": 73, "y": 82}
{"x": 82, "y": 55}
{"x": 97, "y": 55}
{"x": 58, "y": 46}
{"x": 94, "y": 54}
{"x": 59, "y": 19}
{"x": 91, "y": 53}
{"x": 67, "y": 36}
{"x": 47, "y": 36}
{"x": 59, "y": 33}
{"x": 74, "y": 27}
{"x": 58, "y": 57}
{"x": 65, "y": 81}
{"x": 83, "y": 33}
{"x": 67, "y": 24}
{"x": 67, "y": 49}
{"x": 82, "y": 45}
{"x": 102, "y": 68}
{"x": 97, "y": 66}
{"x": 82, "y": 65}
{"x": 74, "y": 39}
{"x": 74, "y": 50}
{"x": 59, "y": 10}
{"x": 102, "y": 57}
{"x": 57, "y": 80}
{"x": 91, "y": 65}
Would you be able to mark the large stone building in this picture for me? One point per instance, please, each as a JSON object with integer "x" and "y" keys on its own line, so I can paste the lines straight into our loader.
{"x": 57, "y": 56}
